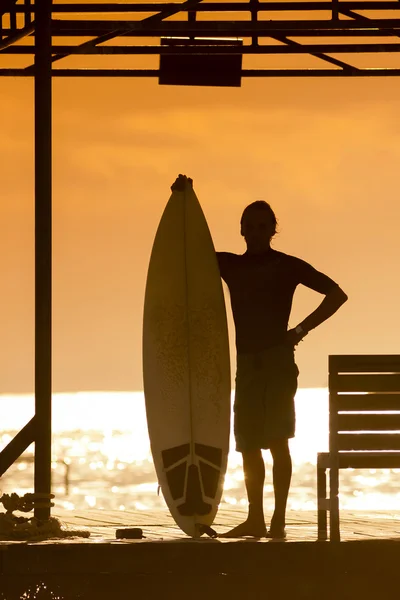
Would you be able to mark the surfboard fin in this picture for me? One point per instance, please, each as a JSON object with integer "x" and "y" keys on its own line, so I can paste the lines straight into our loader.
{"x": 207, "y": 530}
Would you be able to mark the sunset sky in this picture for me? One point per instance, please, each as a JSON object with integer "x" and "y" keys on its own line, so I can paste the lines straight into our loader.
{"x": 325, "y": 153}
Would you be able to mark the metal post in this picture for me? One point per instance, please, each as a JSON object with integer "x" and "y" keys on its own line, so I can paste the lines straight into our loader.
{"x": 334, "y": 521}
{"x": 43, "y": 252}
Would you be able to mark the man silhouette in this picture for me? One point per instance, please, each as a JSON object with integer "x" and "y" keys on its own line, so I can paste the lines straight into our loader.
{"x": 262, "y": 282}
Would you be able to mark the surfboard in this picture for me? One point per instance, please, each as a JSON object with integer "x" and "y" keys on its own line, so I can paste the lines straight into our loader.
{"x": 186, "y": 366}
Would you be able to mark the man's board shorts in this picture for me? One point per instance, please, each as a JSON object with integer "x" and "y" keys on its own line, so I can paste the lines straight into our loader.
{"x": 266, "y": 383}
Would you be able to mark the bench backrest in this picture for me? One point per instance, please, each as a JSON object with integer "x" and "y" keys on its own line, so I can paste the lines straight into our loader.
{"x": 364, "y": 392}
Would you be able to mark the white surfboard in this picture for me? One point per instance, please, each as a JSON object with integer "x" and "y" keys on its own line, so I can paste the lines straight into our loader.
{"x": 186, "y": 367}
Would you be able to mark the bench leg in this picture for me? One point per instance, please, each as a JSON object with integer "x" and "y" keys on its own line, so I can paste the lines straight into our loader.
{"x": 334, "y": 524}
{"x": 321, "y": 504}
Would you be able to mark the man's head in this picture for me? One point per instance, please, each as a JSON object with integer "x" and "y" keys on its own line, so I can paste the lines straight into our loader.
{"x": 258, "y": 225}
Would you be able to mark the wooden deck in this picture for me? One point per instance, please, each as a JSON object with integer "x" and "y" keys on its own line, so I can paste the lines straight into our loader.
{"x": 168, "y": 564}
{"x": 160, "y": 526}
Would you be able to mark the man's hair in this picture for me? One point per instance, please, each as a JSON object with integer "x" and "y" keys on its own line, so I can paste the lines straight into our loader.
{"x": 260, "y": 205}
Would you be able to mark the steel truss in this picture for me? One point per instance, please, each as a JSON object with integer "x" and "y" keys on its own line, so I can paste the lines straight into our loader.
{"x": 31, "y": 29}
{"x": 350, "y": 26}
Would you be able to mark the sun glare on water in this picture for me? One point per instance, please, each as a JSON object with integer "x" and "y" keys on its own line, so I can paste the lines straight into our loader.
{"x": 102, "y": 458}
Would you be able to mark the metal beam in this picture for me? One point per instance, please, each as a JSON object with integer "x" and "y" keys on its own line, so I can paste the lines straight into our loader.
{"x": 296, "y": 47}
{"x": 369, "y": 72}
{"x": 43, "y": 253}
{"x": 122, "y": 8}
{"x": 267, "y": 49}
{"x": 7, "y": 6}
{"x": 357, "y": 31}
{"x": 204, "y": 28}
{"x": 21, "y": 33}
{"x": 163, "y": 14}
{"x": 17, "y": 446}
{"x": 361, "y": 18}
{"x": 229, "y": 28}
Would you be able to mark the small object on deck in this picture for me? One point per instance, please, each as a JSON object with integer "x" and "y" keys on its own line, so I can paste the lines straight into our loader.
{"x": 129, "y": 533}
{"x": 207, "y": 529}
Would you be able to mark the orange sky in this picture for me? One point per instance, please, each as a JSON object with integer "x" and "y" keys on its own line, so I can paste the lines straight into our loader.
{"x": 325, "y": 154}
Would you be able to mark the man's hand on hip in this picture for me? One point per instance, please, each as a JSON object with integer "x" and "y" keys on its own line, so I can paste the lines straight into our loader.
{"x": 293, "y": 338}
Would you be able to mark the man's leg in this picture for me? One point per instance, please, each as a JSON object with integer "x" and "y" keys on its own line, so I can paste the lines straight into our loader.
{"x": 281, "y": 473}
{"x": 254, "y": 475}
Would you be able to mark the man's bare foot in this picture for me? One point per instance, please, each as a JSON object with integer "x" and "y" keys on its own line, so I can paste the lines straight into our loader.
{"x": 276, "y": 533}
{"x": 246, "y": 529}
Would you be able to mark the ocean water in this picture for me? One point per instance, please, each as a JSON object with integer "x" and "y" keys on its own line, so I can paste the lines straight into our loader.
{"x": 100, "y": 442}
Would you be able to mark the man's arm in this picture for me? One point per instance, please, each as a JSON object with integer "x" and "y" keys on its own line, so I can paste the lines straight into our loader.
{"x": 329, "y": 305}
{"x": 315, "y": 280}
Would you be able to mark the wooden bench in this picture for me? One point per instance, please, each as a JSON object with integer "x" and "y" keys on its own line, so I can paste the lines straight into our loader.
{"x": 364, "y": 430}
